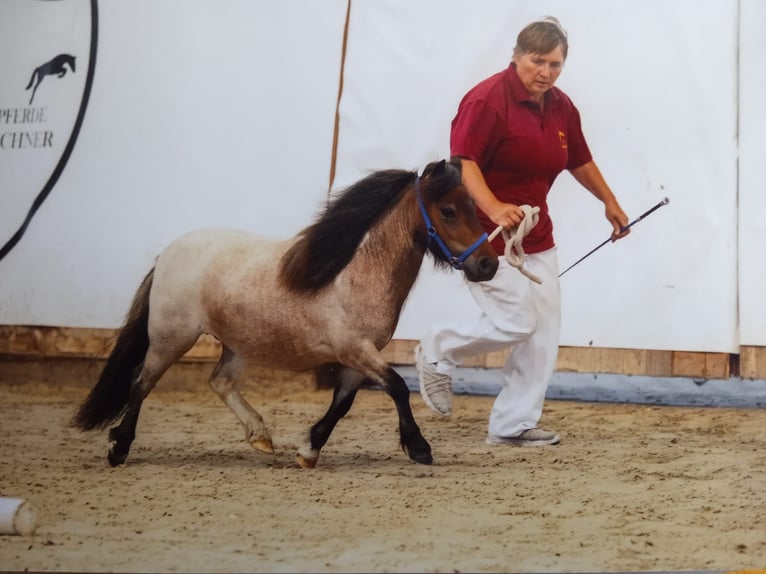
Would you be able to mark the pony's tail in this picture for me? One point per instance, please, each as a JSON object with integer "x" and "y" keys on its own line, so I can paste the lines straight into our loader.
{"x": 108, "y": 399}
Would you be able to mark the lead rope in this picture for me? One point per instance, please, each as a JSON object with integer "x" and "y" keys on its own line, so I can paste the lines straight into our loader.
{"x": 514, "y": 252}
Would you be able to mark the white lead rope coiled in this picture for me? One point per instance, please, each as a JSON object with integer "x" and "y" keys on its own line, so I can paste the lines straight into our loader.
{"x": 514, "y": 252}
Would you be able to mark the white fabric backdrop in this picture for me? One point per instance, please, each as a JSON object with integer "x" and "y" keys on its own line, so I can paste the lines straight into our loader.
{"x": 752, "y": 165}
{"x": 221, "y": 113}
{"x": 202, "y": 113}
{"x": 37, "y": 111}
{"x": 656, "y": 85}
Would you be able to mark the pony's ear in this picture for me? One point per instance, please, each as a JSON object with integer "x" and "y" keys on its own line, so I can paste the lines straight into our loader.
{"x": 435, "y": 168}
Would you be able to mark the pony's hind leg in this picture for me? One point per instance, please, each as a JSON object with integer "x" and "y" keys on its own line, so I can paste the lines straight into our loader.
{"x": 347, "y": 383}
{"x": 155, "y": 363}
{"x": 223, "y": 382}
{"x": 146, "y": 377}
{"x": 122, "y": 436}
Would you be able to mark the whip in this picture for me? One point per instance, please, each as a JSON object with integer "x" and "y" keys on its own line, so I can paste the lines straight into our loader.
{"x": 664, "y": 201}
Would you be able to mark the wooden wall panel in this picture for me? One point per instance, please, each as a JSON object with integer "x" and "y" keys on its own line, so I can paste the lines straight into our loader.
{"x": 752, "y": 362}
{"x": 701, "y": 365}
{"x": 60, "y": 342}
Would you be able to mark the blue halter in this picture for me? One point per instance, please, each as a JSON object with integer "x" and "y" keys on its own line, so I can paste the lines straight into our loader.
{"x": 456, "y": 262}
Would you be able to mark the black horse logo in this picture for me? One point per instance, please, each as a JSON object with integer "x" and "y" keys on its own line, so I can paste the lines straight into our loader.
{"x": 57, "y": 66}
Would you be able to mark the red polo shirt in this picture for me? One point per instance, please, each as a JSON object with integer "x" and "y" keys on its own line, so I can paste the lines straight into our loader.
{"x": 519, "y": 149}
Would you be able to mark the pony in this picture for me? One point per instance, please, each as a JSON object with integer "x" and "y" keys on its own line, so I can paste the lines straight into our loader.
{"x": 330, "y": 295}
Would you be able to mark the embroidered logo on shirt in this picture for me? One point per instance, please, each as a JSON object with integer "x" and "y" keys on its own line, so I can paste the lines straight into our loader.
{"x": 563, "y": 139}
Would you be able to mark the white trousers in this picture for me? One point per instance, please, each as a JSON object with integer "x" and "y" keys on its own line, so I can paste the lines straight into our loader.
{"x": 515, "y": 312}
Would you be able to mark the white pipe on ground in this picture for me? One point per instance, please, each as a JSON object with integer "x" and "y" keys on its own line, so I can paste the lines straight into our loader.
{"x": 17, "y": 517}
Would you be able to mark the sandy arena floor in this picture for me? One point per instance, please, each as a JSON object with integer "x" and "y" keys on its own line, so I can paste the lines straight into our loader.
{"x": 630, "y": 488}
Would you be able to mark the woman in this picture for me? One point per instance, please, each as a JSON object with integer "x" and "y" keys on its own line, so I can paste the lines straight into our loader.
{"x": 515, "y": 132}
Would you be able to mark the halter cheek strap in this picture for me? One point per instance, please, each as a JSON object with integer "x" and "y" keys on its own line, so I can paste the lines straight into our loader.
{"x": 456, "y": 262}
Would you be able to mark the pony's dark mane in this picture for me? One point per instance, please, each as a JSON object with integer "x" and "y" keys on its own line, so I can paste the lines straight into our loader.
{"x": 323, "y": 249}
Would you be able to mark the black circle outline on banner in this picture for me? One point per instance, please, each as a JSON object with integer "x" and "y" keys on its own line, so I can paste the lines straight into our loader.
{"x": 11, "y": 243}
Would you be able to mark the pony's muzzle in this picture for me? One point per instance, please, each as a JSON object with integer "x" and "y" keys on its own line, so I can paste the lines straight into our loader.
{"x": 480, "y": 268}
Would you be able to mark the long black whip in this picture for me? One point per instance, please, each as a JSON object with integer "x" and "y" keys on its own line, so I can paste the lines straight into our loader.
{"x": 664, "y": 201}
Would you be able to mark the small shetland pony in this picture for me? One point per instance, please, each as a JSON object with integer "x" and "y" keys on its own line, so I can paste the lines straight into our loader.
{"x": 329, "y": 296}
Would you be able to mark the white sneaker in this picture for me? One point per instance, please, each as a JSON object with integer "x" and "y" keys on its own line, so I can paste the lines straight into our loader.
{"x": 530, "y": 437}
{"x": 435, "y": 388}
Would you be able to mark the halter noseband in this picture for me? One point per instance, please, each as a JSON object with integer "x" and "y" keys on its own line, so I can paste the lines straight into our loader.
{"x": 456, "y": 262}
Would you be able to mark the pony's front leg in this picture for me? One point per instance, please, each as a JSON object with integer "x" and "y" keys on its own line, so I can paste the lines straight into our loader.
{"x": 347, "y": 384}
{"x": 223, "y": 382}
{"x": 413, "y": 442}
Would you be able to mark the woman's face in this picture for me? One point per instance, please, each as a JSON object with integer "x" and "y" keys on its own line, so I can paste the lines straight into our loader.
{"x": 538, "y": 72}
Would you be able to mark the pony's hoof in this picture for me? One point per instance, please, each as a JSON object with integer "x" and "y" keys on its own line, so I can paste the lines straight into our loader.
{"x": 115, "y": 459}
{"x": 305, "y": 462}
{"x": 418, "y": 449}
{"x": 263, "y": 445}
{"x": 420, "y": 453}
{"x": 307, "y": 459}
{"x": 422, "y": 457}
{"x": 259, "y": 439}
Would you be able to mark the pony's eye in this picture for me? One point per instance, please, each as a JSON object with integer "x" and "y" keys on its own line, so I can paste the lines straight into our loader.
{"x": 448, "y": 212}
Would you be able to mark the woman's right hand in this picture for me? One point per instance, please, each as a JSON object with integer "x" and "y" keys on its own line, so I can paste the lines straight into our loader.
{"x": 506, "y": 215}
{"x": 500, "y": 213}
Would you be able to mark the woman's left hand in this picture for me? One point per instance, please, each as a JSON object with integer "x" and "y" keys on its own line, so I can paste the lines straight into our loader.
{"x": 619, "y": 220}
